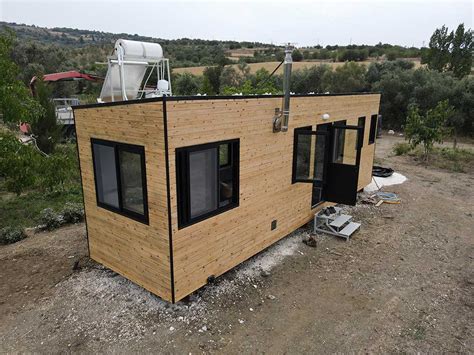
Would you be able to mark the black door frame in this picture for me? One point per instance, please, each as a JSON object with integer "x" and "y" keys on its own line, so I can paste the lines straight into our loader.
{"x": 328, "y": 151}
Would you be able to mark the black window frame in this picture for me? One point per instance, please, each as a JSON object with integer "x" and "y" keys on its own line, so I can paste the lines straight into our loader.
{"x": 183, "y": 180}
{"x": 373, "y": 129}
{"x": 130, "y": 148}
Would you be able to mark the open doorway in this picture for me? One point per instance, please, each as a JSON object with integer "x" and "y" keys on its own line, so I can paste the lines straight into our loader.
{"x": 329, "y": 159}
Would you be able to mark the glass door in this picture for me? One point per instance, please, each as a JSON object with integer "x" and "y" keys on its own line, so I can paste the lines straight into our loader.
{"x": 343, "y": 164}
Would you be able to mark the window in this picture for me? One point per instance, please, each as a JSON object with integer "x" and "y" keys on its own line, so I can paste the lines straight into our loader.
{"x": 338, "y": 146}
{"x": 120, "y": 178}
{"x": 373, "y": 129}
{"x": 207, "y": 180}
{"x": 361, "y": 123}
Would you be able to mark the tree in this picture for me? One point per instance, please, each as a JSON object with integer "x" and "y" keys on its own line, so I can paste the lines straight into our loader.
{"x": 212, "y": 79}
{"x": 186, "y": 84}
{"x": 16, "y": 104}
{"x": 46, "y": 129}
{"x": 429, "y": 128}
{"x": 438, "y": 54}
{"x": 297, "y": 55}
{"x": 349, "y": 77}
{"x": 461, "y": 52}
{"x": 18, "y": 163}
{"x": 230, "y": 77}
{"x": 450, "y": 51}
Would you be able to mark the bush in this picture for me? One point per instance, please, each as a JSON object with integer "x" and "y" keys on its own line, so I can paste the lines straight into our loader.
{"x": 72, "y": 213}
{"x": 401, "y": 148}
{"x": 429, "y": 128}
{"x": 18, "y": 163}
{"x": 10, "y": 235}
{"x": 60, "y": 168}
{"x": 50, "y": 220}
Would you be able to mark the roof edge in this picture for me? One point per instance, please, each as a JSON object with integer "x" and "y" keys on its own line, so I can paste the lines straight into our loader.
{"x": 213, "y": 97}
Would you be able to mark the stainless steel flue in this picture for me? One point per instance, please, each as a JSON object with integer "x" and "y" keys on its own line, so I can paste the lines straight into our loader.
{"x": 280, "y": 121}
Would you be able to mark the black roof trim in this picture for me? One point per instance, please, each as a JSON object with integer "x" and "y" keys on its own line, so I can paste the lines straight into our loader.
{"x": 205, "y": 97}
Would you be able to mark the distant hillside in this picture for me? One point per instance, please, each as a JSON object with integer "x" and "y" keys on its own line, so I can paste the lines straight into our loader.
{"x": 182, "y": 52}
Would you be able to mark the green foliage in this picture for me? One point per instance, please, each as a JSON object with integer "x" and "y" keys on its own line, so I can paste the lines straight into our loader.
{"x": 349, "y": 77}
{"x": 450, "y": 51}
{"x": 45, "y": 129}
{"x": 19, "y": 163}
{"x": 10, "y": 235}
{"x": 461, "y": 52}
{"x": 429, "y": 128}
{"x": 25, "y": 210}
{"x": 212, "y": 80}
{"x": 353, "y": 55}
{"x": 16, "y": 103}
{"x": 185, "y": 84}
{"x": 60, "y": 169}
{"x": 73, "y": 212}
{"x": 310, "y": 79}
{"x": 297, "y": 56}
{"x": 402, "y": 148}
{"x": 50, "y": 220}
{"x": 23, "y": 168}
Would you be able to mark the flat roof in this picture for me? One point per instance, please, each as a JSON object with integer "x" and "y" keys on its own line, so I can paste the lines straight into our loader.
{"x": 213, "y": 97}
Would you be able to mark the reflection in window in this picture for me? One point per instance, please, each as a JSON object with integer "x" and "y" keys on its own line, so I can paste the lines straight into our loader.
{"x": 207, "y": 180}
{"x": 119, "y": 171}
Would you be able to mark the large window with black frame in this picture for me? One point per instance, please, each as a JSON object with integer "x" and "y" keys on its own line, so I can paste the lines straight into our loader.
{"x": 120, "y": 178}
{"x": 207, "y": 180}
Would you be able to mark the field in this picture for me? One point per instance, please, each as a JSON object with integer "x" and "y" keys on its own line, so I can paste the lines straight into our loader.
{"x": 270, "y": 66}
{"x": 403, "y": 284}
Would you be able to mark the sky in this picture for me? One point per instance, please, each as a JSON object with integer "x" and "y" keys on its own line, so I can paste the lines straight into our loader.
{"x": 301, "y": 22}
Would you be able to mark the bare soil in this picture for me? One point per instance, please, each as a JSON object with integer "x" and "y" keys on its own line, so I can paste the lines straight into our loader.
{"x": 403, "y": 283}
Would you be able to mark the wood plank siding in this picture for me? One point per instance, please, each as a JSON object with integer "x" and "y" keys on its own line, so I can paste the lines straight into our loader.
{"x": 215, "y": 245}
{"x": 138, "y": 251}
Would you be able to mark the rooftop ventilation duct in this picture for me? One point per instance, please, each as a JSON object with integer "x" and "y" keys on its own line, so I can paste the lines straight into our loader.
{"x": 280, "y": 121}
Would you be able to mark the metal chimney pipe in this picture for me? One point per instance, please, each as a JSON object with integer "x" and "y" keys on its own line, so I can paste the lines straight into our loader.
{"x": 280, "y": 120}
{"x": 287, "y": 64}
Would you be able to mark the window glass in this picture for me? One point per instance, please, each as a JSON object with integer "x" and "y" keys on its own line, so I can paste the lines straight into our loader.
{"x": 373, "y": 128}
{"x": 132, "y": 181}
{"x": 303, "y": 156}
{"x": 224, "y": 154}
{"x": 207, "y": 179}
{"x": 203, "y": 181}
{"x": 119, "y": 171}
{"x": 106, "y": 174}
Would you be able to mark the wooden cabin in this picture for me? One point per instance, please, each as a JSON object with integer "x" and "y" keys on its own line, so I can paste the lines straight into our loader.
{"x": 180, "y": 189}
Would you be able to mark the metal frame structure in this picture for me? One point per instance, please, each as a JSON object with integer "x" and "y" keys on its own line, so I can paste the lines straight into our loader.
{"x": 163, "y": 74}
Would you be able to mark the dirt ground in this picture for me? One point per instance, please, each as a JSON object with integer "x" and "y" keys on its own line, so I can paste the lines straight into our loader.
{"x": 404, "y": 283}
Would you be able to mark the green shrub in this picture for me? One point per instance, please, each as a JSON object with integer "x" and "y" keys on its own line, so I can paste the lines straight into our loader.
{"x": 10, "y": 235}
{"x": 401, "y": 148}
{"x": 73, "y": 213}
{"x": 18, "y": 163}
{"x": 50, "y": 220}
{"x": 60, "y": 169}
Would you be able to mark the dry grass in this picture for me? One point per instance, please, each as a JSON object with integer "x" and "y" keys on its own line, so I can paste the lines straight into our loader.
{"x": 270, "y": 66}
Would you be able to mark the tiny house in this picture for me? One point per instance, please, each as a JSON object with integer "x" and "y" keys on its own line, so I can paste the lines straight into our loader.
{"x": 180, "y": 189}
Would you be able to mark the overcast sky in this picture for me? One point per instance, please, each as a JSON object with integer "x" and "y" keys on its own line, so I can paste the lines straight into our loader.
{"x": 273, "y": 21}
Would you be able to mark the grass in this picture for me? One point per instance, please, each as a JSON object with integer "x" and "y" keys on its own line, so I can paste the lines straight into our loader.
{"x": 25, "y": 210}
{"x": 456, "y": 160}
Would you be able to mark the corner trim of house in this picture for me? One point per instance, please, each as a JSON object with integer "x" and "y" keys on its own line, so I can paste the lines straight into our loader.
{"x": 82, "y": 186}
{"x": 168, "y": 198}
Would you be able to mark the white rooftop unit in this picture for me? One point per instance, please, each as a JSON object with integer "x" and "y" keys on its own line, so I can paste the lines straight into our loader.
{"x": 127, "y": 67}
